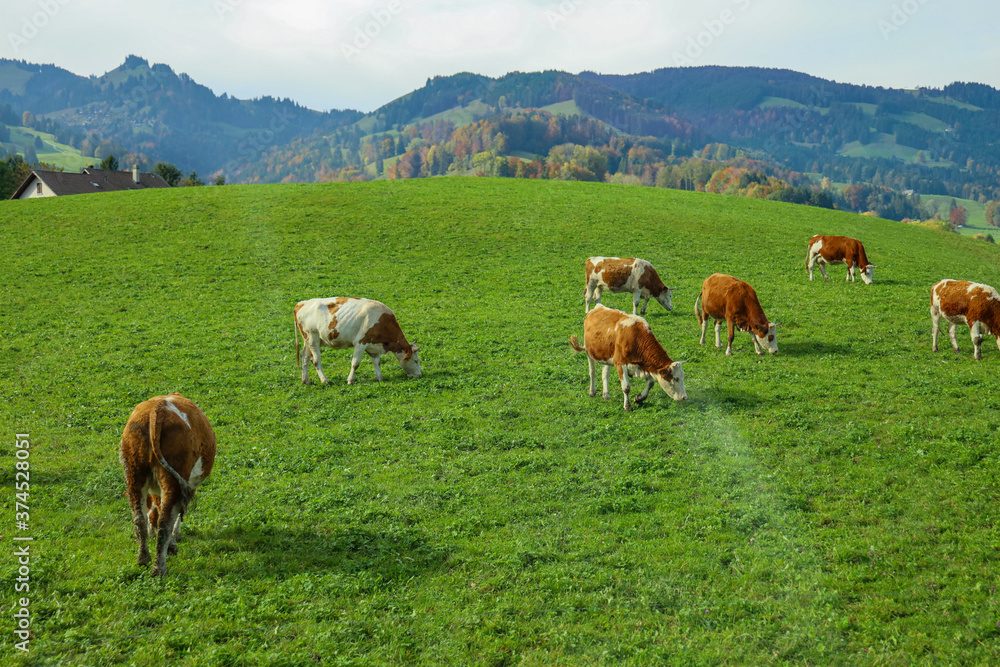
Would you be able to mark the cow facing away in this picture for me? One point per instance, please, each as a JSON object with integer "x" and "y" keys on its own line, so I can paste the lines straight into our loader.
{"x": 351, "y": 322}
{"x": 726, "y": 298}
{"x": 963, "y": 302}
{"x": 825, "y": 250}
{"x": 167, "y": 451}
{"x": 625, "y": 274}
{"x": 614, "y": 338}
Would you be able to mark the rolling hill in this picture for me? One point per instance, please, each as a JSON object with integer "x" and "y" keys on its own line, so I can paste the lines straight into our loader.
{"x": 834, "y": 503}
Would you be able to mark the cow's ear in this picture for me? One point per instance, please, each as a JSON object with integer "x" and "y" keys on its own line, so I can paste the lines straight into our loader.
{"x": 772, "y": 324}
{"x": 678, "y": 363}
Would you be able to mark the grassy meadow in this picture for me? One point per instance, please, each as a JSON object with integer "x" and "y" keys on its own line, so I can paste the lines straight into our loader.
{"x": 836, "y": 503}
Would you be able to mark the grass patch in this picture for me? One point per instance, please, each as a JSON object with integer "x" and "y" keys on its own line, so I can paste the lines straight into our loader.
{"x": 835, "y": 503}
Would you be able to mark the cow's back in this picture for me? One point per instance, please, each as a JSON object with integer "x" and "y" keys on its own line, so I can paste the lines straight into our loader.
{"x": 612, "y": 273}
{"x": 340, "y": 321}
{"x": 600, "y": 331}
{"x": 965, "y": 299}
{"x": 186, "y": 438}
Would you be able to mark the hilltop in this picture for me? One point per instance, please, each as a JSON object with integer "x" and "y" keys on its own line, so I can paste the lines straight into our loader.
{"x": 752, "y": 131}
{"x": 836, "y": 499}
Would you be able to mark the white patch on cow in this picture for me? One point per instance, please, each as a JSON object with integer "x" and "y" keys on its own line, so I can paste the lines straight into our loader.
{"x": 173, "y": 408}
{"x": 197, "y": 475}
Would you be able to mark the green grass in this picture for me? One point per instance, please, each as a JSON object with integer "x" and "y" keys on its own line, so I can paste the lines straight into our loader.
{"x": 928, "y": 123}
{"x": 567, "y": 108}
{"x": 836, "y": 503}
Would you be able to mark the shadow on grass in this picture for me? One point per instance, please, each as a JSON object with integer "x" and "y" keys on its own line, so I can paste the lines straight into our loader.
{"x": 393, "y": 556}
{"x": 730, "y": 398}
{"x": 813, "y": 349}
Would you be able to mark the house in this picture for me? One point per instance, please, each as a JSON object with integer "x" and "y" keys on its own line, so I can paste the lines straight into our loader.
{"x": 58, "y": 183}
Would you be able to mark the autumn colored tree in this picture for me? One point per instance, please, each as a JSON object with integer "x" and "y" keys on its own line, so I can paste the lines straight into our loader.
{"x": 958, "y": 216}
{"x": 993, "y": 213}
{"x": 28, "y": 119}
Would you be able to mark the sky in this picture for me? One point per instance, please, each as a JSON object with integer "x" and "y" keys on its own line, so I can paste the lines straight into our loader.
{"x": 361, "y": 54}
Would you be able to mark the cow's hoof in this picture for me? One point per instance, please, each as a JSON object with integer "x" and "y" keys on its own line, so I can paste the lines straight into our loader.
{"x": 605, "y": 396}
{"x": 593, "y": 394}
{"x": 638, "y": 400}
{"x": 628, "y": 408}
{"x": 157, "y": 571}
{"x": 172, "y": 549}
{"x": 144, "y": 559}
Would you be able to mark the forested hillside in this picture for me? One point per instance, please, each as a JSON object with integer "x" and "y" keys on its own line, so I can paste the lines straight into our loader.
{"x": 903, "y": 154}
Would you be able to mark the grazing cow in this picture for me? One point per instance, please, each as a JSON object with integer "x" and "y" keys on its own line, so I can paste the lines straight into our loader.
{"x": 726, "y": 298}
{"x": 625, "y": 274}
{"x": 167, "y": 451}
{"x": 836, "y": 249}
{"x": 362, "y": 324}
{"x": 612, "y": 337}
{"x": 962, "y": 302}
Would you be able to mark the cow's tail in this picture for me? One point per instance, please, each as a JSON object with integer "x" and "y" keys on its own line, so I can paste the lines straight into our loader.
{"x": 295, "y": 332}
{"x": 154, "y": 441}
{"x": 574, "y": 342}
{"x": 697, "y": 309}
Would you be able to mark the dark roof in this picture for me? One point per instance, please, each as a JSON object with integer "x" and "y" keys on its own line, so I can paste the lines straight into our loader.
{"x": 91, "y": 180}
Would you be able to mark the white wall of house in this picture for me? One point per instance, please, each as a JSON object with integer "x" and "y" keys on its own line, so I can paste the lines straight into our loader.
{"x": 32, "y": 190}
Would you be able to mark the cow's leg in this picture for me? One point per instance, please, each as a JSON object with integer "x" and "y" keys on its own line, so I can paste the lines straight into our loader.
{"x": 704, "y": 328}
{"x": 588, "y": 294}
{"x": 376, "y": 361}
{"x": 140, "y": 522}
{"x": 810, "y": 264}
{"x": 306, "y": 356}
{"x": 822, "y": 269}
{"x": 731, "y": 330}
{"x": 359, "y": 354}
{"x": 317, "y": 363}
{"x": 175, "y": 536}
{"x": 850, "y": 273}
{"x": 635, "y": 304}
{"x": 593, "y": 375}
{"x": 597, "y": 295}
{"x": 623, "y": 374}
{"x": 756, "y": 345}
{"x": 645, "y": 392}
{"x": 169, "y": 514}
{"x": 645, "y": 303}
{"x": 605, "y": 378}
{"x": 718, "y": 328}
{"x": 953, "y": 335}
{"x": 936, "y": 328}
{"x": 975, "y": 331}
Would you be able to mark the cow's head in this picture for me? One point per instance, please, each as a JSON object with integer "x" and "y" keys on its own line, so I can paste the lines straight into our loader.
{"x": 410, "y": 361}
{"x": 768, "y": 341}
{"x": 868, "y": 274}
{"x": 671, "y": 381}
{"x": 664, "y": 299}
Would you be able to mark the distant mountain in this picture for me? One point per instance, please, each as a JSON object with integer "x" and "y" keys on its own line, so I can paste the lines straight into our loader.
{"x": 153, "y": 113}
{"x": 787, "y": 126}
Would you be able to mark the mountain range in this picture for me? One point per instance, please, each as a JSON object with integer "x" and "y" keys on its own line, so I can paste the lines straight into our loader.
{"x": 654, "y": 127}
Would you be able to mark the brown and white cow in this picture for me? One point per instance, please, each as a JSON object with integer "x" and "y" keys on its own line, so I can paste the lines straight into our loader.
{"x": 726, "y": 298}
{"x": 351, "y": 322}
{"x": 825, "y": 250}
{"x": 614, "y": 338}
{"x": 167, "y": 451}
{"x": 961, "y": 302}
{"x": 625, "y": 274}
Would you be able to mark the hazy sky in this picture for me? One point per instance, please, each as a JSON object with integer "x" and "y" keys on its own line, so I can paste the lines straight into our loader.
{"x": 318, "y": 53}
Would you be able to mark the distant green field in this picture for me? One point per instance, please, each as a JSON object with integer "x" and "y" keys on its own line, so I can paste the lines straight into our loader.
{"x": 834, "y": 504}
{"x": 567, "y": 108}
{"x": 977, "y": 214}
{"x": 778, "y": 102}
{"x": 922, "y": 120}
{"x": 52, "y": 152}
{"x": 884, "y": 146}
{"x": 14, "y": 77}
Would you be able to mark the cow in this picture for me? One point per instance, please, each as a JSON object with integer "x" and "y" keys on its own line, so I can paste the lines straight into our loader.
{"x": 624, "y": 274}
{"x": 962, "y": 302}
{"x": 362, "y": 324}
{"x": 167, "y": 451}
{"x": 726, "y": 298}
{"x": 614, "y": 338}
{"x": 825, "y": 250}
